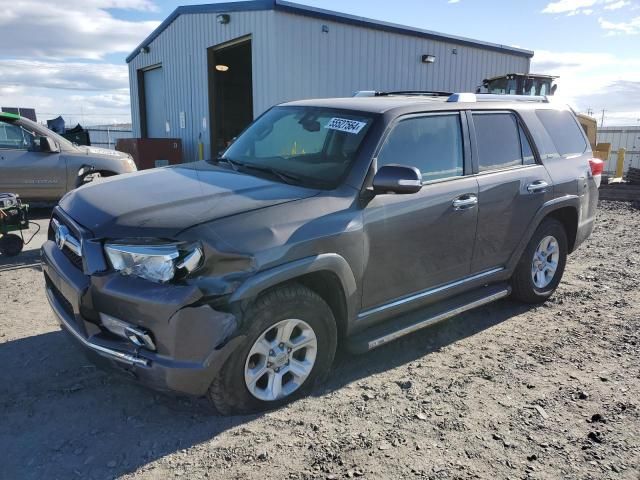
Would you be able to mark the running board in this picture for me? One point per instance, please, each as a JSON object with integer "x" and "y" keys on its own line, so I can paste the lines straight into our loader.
{"x": 402, "y": 325}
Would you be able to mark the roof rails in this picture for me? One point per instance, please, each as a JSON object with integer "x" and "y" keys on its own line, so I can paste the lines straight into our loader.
{"x": 461, "y": 97}
{"x": 492, "y": 97}
{"x": 417, "y": 93}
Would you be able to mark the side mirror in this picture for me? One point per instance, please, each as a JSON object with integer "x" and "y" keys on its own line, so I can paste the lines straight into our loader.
{"x": 397, "y": 179}
{"x": 45, "y": 145}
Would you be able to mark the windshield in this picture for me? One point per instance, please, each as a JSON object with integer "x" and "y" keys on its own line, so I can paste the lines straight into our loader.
{"x": 306, "y": 145}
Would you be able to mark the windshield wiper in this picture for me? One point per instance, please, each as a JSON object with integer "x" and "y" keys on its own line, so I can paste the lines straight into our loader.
{"x": 284, "y": 176}
{"x": 234, "y": 163}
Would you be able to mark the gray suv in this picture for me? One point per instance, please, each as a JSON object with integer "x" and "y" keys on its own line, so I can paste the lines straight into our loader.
{"x": 41, "y": 166}
{"x": 350, "y": 220}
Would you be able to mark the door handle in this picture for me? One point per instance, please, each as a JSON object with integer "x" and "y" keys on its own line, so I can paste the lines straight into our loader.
{"x": 464, "y": 202}
{"x": 537, "y": 186}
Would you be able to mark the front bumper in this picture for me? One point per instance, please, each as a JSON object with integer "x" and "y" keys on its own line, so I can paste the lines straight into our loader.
{"x": 193, "y": 341}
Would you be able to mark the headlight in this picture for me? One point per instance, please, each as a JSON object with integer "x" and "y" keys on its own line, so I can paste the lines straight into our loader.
{"x": 157, "y": 263}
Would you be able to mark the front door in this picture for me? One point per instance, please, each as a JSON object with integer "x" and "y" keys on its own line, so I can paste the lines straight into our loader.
{"x": 419, "y": 241}
{"x": 513, "y": 185}
{"x": 32, "y": 175}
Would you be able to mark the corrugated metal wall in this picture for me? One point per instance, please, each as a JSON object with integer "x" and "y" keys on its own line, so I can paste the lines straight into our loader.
{"x": 621, "y": 137}
{"x": 293, "y": 59}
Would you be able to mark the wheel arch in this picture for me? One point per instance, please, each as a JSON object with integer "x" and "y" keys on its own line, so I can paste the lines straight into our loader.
{"x": 565, "y": 209}
{"x": 328, "y": 274}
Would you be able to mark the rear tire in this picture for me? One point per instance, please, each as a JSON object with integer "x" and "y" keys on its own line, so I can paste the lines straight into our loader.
{"x": 542, "y": 263}
{"x": 11, "y": 245}
{"x": 281, "y": 320}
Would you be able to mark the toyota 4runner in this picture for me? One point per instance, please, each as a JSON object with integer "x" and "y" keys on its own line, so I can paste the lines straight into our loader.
{"x": 350, "y": 220}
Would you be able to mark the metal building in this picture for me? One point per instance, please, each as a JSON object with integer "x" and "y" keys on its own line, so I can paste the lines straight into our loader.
{"x": 621, "y": 137}
{"x": 208, "y": 70}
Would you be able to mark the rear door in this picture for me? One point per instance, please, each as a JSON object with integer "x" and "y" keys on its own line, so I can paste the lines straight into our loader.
{"x": 512, "y": 185}
{"x": 419, "y": 241}
{"x": 32, "y": 175}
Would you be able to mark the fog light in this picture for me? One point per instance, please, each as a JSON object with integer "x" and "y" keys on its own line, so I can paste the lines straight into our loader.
{"x": 136, "y": 335}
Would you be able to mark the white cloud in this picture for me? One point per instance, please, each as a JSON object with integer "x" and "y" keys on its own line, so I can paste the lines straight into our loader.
{"x": 595, "y": 81}
{"x": 616, "y": 5}
{"x": 64, "y": 75}
{"x": 568, "y": 6}
{"x": 632, "y": 27}
{"x": 70, "y": 28}
{"x": 453, "y": 1}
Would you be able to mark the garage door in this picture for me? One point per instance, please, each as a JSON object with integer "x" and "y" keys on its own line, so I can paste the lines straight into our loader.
{"x": 154, "y": 103}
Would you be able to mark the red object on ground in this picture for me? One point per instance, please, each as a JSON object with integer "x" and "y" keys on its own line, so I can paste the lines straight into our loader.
{"x": 152, "y": 152}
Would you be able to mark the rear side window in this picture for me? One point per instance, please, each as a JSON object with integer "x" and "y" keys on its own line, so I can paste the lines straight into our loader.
{"x": 432, "y": 144}
{"x": 563, "y": 130}
{"x": 501, "y": 141}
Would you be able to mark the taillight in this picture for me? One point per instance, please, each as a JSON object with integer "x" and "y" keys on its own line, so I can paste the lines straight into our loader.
{"x": 597, "y": 167}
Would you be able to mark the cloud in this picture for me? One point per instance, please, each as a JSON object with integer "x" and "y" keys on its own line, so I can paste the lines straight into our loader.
{"x": 453, "y": 1}
{"x": 568, "y": 6}
{"x": 617, "y": 5}
{"x": 64, "y": 76}
{"x": 632, "y": 27}
{"x": 71, "y": 28}
{"x": 595, "y": 81}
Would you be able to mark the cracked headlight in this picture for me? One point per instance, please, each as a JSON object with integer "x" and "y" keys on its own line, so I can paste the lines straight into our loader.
{"x": 157, "y": 263}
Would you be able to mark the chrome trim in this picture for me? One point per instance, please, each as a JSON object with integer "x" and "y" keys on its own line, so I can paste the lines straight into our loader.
{"x": 104, "y": 351}
{"x": 427, "y": 293}
{"x": 537, "y": 186}
{"x": 64, "y": 238}
{"x": 438, "y": 318}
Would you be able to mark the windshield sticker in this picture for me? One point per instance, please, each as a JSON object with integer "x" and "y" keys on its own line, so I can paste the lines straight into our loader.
{"x": 345, "y": 125}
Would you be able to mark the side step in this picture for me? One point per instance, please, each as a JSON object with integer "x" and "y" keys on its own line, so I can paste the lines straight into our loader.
{"x": 402, "y": 325}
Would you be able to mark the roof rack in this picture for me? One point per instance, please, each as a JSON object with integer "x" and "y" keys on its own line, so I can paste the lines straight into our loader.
{"x": 492, "y": 97}
{"x": 417, "y": 93}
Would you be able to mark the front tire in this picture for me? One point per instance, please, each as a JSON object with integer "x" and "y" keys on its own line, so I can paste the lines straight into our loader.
{"x": 542, "y": 263}
{"x": 289, "y": 348}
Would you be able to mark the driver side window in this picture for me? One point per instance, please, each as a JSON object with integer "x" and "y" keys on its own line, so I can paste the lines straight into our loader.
{"x": 14, "y": 137}
{"x": 433, "y": 144}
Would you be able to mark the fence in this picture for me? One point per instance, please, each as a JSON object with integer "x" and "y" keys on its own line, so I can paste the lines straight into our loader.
{"x": 106, "y": 137}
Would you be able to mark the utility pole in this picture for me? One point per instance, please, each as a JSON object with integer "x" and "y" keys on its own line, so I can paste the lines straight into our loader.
{"x": 590, "y": 111}
{"x": 602, "y": 119}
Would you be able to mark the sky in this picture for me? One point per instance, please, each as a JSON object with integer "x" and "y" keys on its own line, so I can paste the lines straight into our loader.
{"x": 68, "y": 56}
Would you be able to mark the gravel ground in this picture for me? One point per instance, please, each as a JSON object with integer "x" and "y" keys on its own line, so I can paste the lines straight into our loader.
{"x": 507, "y": 391}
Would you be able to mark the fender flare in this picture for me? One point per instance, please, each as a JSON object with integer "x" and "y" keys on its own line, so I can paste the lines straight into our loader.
{"x": 547, "y": 208}
{"x": 331, "y": 262}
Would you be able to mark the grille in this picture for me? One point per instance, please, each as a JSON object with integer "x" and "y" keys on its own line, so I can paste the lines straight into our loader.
{"x": 73, "y": 258}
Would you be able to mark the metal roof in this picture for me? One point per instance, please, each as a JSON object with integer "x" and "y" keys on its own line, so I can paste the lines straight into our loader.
{"x": 295, "y": 8}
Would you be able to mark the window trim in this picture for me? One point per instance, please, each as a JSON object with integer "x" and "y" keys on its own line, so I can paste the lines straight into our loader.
{"x": 8, "y": 149}
{"x": 464, "y": 132}
{"x": 519, "y": 122}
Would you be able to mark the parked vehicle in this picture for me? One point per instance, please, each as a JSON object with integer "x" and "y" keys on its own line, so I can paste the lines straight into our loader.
{"x": 353, "y": 220}
{"x": 41, "y": 166}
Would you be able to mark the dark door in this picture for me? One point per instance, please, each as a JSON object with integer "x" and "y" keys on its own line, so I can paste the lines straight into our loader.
{"x": 230, "y": 91}
{"x": 154, "y": 108}
{"x": 512, "y": 187}
{"x": 419, "y": 241}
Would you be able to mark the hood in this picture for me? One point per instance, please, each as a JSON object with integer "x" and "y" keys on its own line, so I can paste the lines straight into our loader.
{"x": 164, "y": 201}
{"x": 103, "y": 152}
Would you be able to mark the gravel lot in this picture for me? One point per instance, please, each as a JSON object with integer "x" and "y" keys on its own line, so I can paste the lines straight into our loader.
{"x": 507, "y": 391}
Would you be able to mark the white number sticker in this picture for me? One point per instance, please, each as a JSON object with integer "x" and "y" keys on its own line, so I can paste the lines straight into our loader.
{"x": 345, "y": 125}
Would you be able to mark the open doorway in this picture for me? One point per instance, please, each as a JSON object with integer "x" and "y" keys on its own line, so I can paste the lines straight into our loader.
{"x": 230, "y": 91}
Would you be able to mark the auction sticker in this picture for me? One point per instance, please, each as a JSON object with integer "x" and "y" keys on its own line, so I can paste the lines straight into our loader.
{"x": 345, "y": 125}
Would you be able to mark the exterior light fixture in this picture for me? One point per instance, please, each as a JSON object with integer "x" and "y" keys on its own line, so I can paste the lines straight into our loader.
{"x": 222, "y": 68}
{"x": 223, "y": 18}
{"x": 428, "y": 59}
{"x": 325, "y": 28}
{"x": 144, "y": 49}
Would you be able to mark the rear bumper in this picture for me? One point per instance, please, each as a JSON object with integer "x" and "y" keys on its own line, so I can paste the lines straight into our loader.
{"x": 193, "y": 342}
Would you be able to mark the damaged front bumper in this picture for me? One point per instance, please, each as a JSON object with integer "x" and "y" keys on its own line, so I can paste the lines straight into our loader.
{"x": 192, "y": 339}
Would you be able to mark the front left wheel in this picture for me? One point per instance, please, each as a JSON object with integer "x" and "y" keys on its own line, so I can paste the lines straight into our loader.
{"x": 289, "y": 348}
